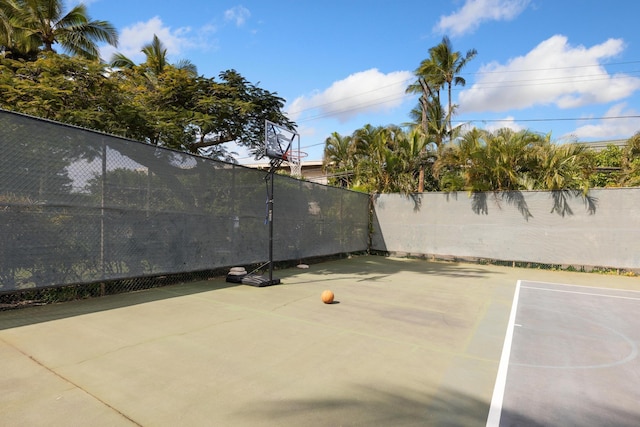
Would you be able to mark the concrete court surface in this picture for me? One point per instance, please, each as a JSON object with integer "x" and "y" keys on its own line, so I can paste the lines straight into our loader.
{"x": 407, "y": 343}
{"x": 573, "y": 358}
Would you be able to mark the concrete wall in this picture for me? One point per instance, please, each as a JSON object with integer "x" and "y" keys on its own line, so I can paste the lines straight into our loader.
{"x": 516, "y": 226}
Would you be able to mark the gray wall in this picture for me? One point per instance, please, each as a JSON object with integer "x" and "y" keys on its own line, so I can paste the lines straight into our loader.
{"x": 519, "y": 226}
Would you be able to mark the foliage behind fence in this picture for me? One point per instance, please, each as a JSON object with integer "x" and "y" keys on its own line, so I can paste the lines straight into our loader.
{"x": 78, "y": 206}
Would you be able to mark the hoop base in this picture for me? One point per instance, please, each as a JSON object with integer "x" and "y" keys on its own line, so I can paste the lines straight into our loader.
{"x": 259, "y": 281}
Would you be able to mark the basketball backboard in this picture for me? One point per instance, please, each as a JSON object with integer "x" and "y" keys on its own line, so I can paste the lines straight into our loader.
{"x": 278, "y": 140}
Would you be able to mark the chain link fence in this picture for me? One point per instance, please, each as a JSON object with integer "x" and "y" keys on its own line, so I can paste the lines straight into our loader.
{"x": 79, "y": 207}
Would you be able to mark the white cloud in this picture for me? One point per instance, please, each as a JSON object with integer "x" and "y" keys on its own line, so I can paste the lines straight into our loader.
{"x": 134, "y": 37}
{"x": 553, "y": 73}
{"x": 363, "y": 92}
{"x": 237, "y": 14}
{"x": 507, "y": 122}
{"x": 474, "y": 12}
{"x": 611, "y": 126}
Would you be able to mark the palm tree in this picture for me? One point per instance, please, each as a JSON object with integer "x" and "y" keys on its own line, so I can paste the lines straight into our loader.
{"x": 433, "y": 126}
{"x": 509, "y": 161}
{"x": 385, "y": 159}
{"x": 441, "y": 69}
{"x": 419, "y": 154}
{"x": 29, "y": 25}
{"x": 363, "y": 139}
{"x": 14, "y": 40}
{"x": 156, "y": 60}
{"x": 6, "y": 27}
{"x": 504, "y": 160}
{"x": 374, "y": 159}
{"x": 338, "y": 158}
{"x": 563, "y": 167}
{"x": 565, "y": 170}
{"x": 455, "y": 163}
{"x": 156, "y": 54}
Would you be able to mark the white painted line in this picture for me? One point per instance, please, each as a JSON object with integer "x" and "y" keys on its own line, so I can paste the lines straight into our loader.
{"x": 578, "y": 286}
{"x": 580, "y": 293}
{"x": 495, "y": 411}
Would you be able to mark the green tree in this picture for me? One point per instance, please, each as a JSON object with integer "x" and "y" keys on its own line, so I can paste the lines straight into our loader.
{"x": 509, "y": 161}
{"x": 429, "y": 114}
{"x": 193, "y": 113}
{"x": 155, "y": 63}
{"x": 160, "y": 96}
{"x": 233, "y": 110}
{"x": 168, "y": 106}
{"x": 431, "y": 123}
{"x": 197, "y": 114}
{"x": 419, "y": 153}
{"x": 456, "y": 163}
{"x": 442, "y": 69}
{"x": 562, "y": 167}
{"x": 14, "y": 42}
{"x": 158, "y": 113}
{"x": 72, "y": 90}
{"x": 630, "y": 174}
{"x": 338, "y": 159}
{"x": 565, "y": 170}
{"x": 29, "y": 26}
{"x": 608, "y": 164}
{"x": 503, "y": 160}
{"x": 376, "y": 168}
{"x": 385, "y": 159}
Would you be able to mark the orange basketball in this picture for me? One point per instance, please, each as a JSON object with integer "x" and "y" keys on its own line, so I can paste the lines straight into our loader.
{"x": 327, "y": 297}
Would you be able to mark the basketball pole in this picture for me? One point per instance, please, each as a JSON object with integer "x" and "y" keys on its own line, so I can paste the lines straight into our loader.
{"x": 277, "y": 152}
{"x": 277, "y": 146}
{"x": 270, "y": 177}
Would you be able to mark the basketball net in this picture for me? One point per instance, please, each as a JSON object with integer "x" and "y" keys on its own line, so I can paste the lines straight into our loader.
{"x": 294, "y": 158}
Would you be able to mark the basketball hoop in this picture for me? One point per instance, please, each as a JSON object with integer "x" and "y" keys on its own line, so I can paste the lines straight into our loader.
{"x": 278, "y": 141}
{"x": 294, "y": 158}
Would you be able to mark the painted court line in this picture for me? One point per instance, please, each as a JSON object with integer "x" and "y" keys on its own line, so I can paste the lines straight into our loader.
{"x": 495, "y": 410}
{"x": 566, "y": 285}
{"x": 497, "y": 401}
{"x": 582, "y": 293}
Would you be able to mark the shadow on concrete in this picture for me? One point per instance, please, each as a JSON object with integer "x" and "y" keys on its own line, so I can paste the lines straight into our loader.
{"x": 606, "y": 416}
{"x": 588, "y": 415}
{"x": 406, "y": 407}
{"x": 369, "y": 406}
{"x": 379, "y": 267}
{"x": 45, "y": 313}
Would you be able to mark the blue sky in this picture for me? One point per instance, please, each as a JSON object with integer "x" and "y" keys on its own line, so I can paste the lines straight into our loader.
{"x": 569, "y": 67}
